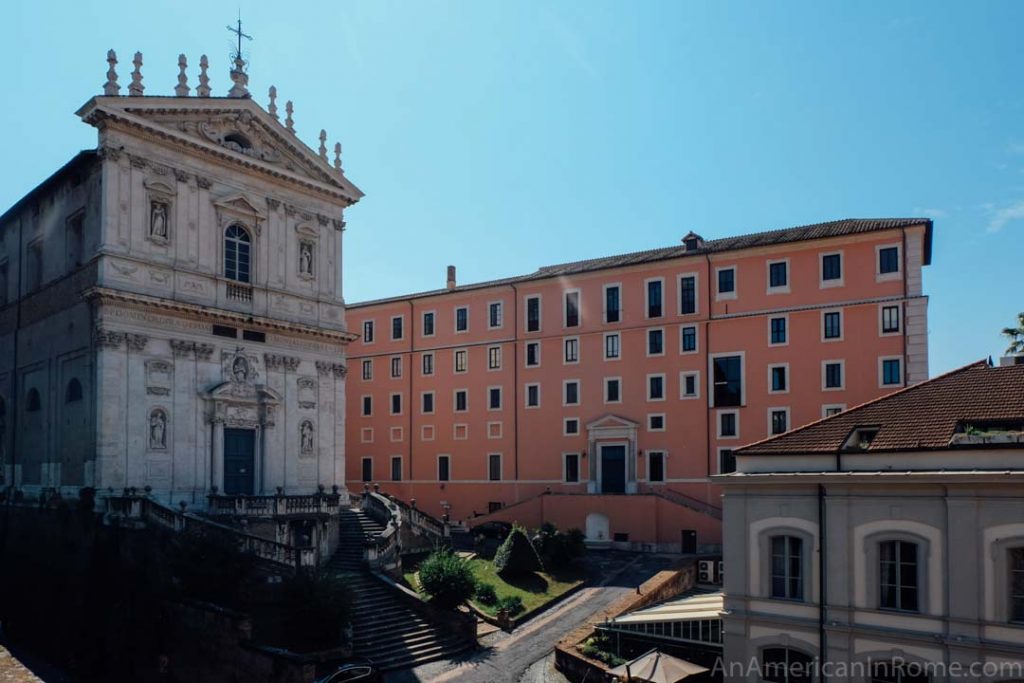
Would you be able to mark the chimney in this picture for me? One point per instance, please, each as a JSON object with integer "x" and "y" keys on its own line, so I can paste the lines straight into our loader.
{"x": 451, "y": 277}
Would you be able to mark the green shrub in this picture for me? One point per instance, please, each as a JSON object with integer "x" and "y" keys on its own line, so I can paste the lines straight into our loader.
{"x": 447, "y": 578}
{"x": 517, "y": 556}
{"x": 558, "y": 549}
{"x": 485, "y": 594}
{"x": 512, "y": 604}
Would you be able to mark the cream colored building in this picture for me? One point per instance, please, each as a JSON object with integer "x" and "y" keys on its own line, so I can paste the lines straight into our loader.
{"x": 173, "y": 314}
{"x": 907, "y": 515}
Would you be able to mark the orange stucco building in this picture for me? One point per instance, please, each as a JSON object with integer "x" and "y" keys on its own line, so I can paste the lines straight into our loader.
{"x": 602, "y": 394}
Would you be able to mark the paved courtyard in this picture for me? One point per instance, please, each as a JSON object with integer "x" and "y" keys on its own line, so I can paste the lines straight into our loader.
{"x": 525, "y": 656}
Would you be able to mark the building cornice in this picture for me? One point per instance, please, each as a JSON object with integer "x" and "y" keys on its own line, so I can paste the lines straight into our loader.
{"x": 938, "y": 477}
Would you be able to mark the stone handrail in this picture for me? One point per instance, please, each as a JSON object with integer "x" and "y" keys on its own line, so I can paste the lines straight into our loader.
{"x": 274, "y": 506}
{"x": 145, "y": 509}
{"x": 382, "y": 551}
{"x": 687, "y": 501}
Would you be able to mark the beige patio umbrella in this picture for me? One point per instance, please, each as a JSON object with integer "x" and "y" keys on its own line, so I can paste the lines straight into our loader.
{"x": 657, "y": 667}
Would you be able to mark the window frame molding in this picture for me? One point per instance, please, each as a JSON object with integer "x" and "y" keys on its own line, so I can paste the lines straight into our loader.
{"x": 842, "y": 325}
{"x": 696, "y": 339}
{"x": 604, "y": 348}
{"x": 391, "y": 330}
{"x": 837, "y": 282}
{"x": 696, "y": 293}
{"x": 565, "y": 392}
{"x": 565, "y": 469}
{"x": 789, "y": 419}
{"x": 500, "y": 303}
{"x": 604, "y": 303}
{"x": 771, "y": 389}
{"x": 647, "y": 387}
{"x": 898, "y": 273}
{"x": 423, "y": 326}
{"x": 455, "y": 319}
{"x": 683, "y": 374}
{"x": 649, "y": 428}
{"x": 898, "y": 305}
{"x": 842, "y": 374}
{"x": 734, "y": 294}
{"x": 719, "y": 412}
{"x": 565, "y": 308}
{"x": 647, "y": 342}
{"x": 647, "y": 298}
{"x": 778, "y": 289}
{"x": 526, "y": 396}
{"x": 565, "y": 342}
{"x": 770, "y": 318}
{"x": 526, "y": 313}
{"x": 664, "y": 466}
{"x": 605, "y": 382}
{"x": 881, "y": 372}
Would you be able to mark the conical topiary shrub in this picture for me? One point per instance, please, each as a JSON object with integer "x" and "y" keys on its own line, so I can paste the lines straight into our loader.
{"x": 517, "y": 556}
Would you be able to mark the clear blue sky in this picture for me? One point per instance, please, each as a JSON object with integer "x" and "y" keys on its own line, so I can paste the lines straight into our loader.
{"x": 500, "y": 136}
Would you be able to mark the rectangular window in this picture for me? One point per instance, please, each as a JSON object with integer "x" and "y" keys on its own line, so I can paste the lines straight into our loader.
{"x": 396, "y": 366}
{"x": 533, "y": 314}
{"x": 656, "y": 422}
{"x": 396, "y": 404}
{"x": 532, "y": 354}
{"x": 611, "y": 346}
{"x": 368, "y": 331}
{"x": 726, "y": 461}
{"x": 572, "y": 309}
{"x": 1016, "y": 563}
{"x": 428, "y": 364}
{"x": 655, "y": 466}
{"x": 571, "y": 393}
{"x": 891, "y": 374}
{"x": 611, "y": 390}
{"x": 367, "y": 406}
{"x": 368, "y": 369}
{"x": 461, "y": 400}
{"x": 572, "y": 350}
{"x": 688, "y": 295}
{"x": 532, "y": 395}
{"x": 689, "y": 385}
{"x": 397, "y": 330}
{"x": 688, "y": 338}
{"x": 367, "y": 469}
{"x": 443, "y": 468}
{"x": 780, "y": 421}
{"x": 495, "y": 315}
{"x": 890, "y": 319}
{"x": 655, "y": 342}
{"x": 396, "y": 468}
{"x": 494, "y": 398}
{"x": 728, "y": 378}
{"x": 428, "y": 324}
{"x": 778, "y": 330}
{"x": 833, "y": 375}
{"x": 888, "y": 260}
{"x": 897, "y": 575}
{"x": 572, "y": 426}
{"x": 461, "y": 319}
{"x": 612, "y": 304}
{"x": 829, "y": 411}
{"x": 572, "y": 468}
{"x": 494, "y": 467}
{"x": 428, "y": 402}
{"x": 832, "y": 267}
{"x": 461, "y": 360}
{"x": 778, "y": 275}
{"x": 832, "y": 324}
{"x": 654, "y": 298}
{"x": 727, "y": 424}
{"x": 727, "y": 281}
{"x": 655, "y": 387}
{"x": 787, "y": 568}
{"x": 494, "y": 358}
{"x": 778, "y": 377}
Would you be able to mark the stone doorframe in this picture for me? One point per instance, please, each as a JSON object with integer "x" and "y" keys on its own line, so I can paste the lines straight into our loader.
{"x": 230, "y": 404}
{"x": 611, "y": 430}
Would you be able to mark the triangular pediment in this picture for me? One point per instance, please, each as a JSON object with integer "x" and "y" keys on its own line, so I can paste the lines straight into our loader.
{"x": 241, "y": 205}
{"x": 232, "y": 128}
{"x": 611, "y": 421}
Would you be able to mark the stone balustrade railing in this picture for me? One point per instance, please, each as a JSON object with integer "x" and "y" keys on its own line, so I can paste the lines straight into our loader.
{"x": 274, "y": 506}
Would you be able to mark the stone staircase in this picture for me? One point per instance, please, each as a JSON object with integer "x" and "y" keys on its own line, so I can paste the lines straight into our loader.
{"x": 385, "y": 628}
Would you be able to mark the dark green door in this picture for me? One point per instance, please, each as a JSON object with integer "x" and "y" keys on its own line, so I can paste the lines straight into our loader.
{"x": 239, "y": 461}
{"x": 613, "y": 469}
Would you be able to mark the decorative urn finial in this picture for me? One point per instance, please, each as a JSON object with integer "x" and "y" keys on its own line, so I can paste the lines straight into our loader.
{"x": 181, "y": 90}
{"x": 289, "y": 123}
{"x": 323, "y": 144}
{"x": 240, "y": 79}
{"x": 272, "y": 107}
{"x": 337, "y": 155}
{"x": 203, "y": 90}
{"x": 111, "y": 87}
{"x": 136, "y": 87}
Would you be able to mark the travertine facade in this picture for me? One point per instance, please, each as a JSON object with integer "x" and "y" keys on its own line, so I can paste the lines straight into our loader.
{"x": 173, "y": 310}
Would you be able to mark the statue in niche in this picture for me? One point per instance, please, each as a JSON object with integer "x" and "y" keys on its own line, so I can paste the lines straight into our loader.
{"x": 158, "y": 220}
{"x": 305, "y": 258}
{"x": 306, "y": 434}
{"x": 158, "y": 429}
{"x": 240, "y": 369}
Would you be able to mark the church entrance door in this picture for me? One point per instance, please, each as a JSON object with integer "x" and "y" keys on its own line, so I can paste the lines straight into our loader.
{"x": 239, "y": 461}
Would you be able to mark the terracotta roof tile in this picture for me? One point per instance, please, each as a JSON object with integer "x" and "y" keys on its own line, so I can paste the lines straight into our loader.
{"x": 921, "y": 417}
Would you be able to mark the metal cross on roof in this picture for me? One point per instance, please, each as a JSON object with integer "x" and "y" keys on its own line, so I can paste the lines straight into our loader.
{"x": 238, "y": 31}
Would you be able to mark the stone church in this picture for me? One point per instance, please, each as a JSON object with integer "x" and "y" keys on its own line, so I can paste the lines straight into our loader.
{"x": 172, "y": 310}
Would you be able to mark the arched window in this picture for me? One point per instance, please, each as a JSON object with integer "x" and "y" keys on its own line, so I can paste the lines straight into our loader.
{"x": 33, "y": 403}
{"x": 237, "y": 253}
{"x": 784, "y": 665}
{"x": 787, "y": 578}
{"x": 898, "y": 575}
{"x": 898, "y": 671}
{"x": 73, "y": 391}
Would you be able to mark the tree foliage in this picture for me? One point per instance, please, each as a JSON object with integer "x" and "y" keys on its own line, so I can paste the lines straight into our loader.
{"x": 558, "y": 549}
{"x": 1016, "y": 336}
{"x": 517, "y": 556}
{"x": 447, "y": 578}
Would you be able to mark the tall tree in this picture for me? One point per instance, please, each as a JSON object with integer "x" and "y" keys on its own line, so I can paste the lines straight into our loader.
{"x": 1016, "y": 336}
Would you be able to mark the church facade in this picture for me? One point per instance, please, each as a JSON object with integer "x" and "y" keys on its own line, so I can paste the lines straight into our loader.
{"x": 172, "y": 308}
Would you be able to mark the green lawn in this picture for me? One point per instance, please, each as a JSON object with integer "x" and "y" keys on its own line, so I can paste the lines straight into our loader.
{"x": 534, "y": 590}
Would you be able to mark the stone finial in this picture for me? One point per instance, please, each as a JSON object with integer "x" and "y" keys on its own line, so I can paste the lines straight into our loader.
{"x": 204, "y": 81}
{"x": 181, "y": 90}
{"x": 136, "y": 87}
{"x": 288, "y": 122}
{"x": 272, "y": 107}
{"x": 240, "y": 79}
{"x": 323, "y": 144}
{"x": 111, "y": 87}
{"x": 337, "y": 155}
